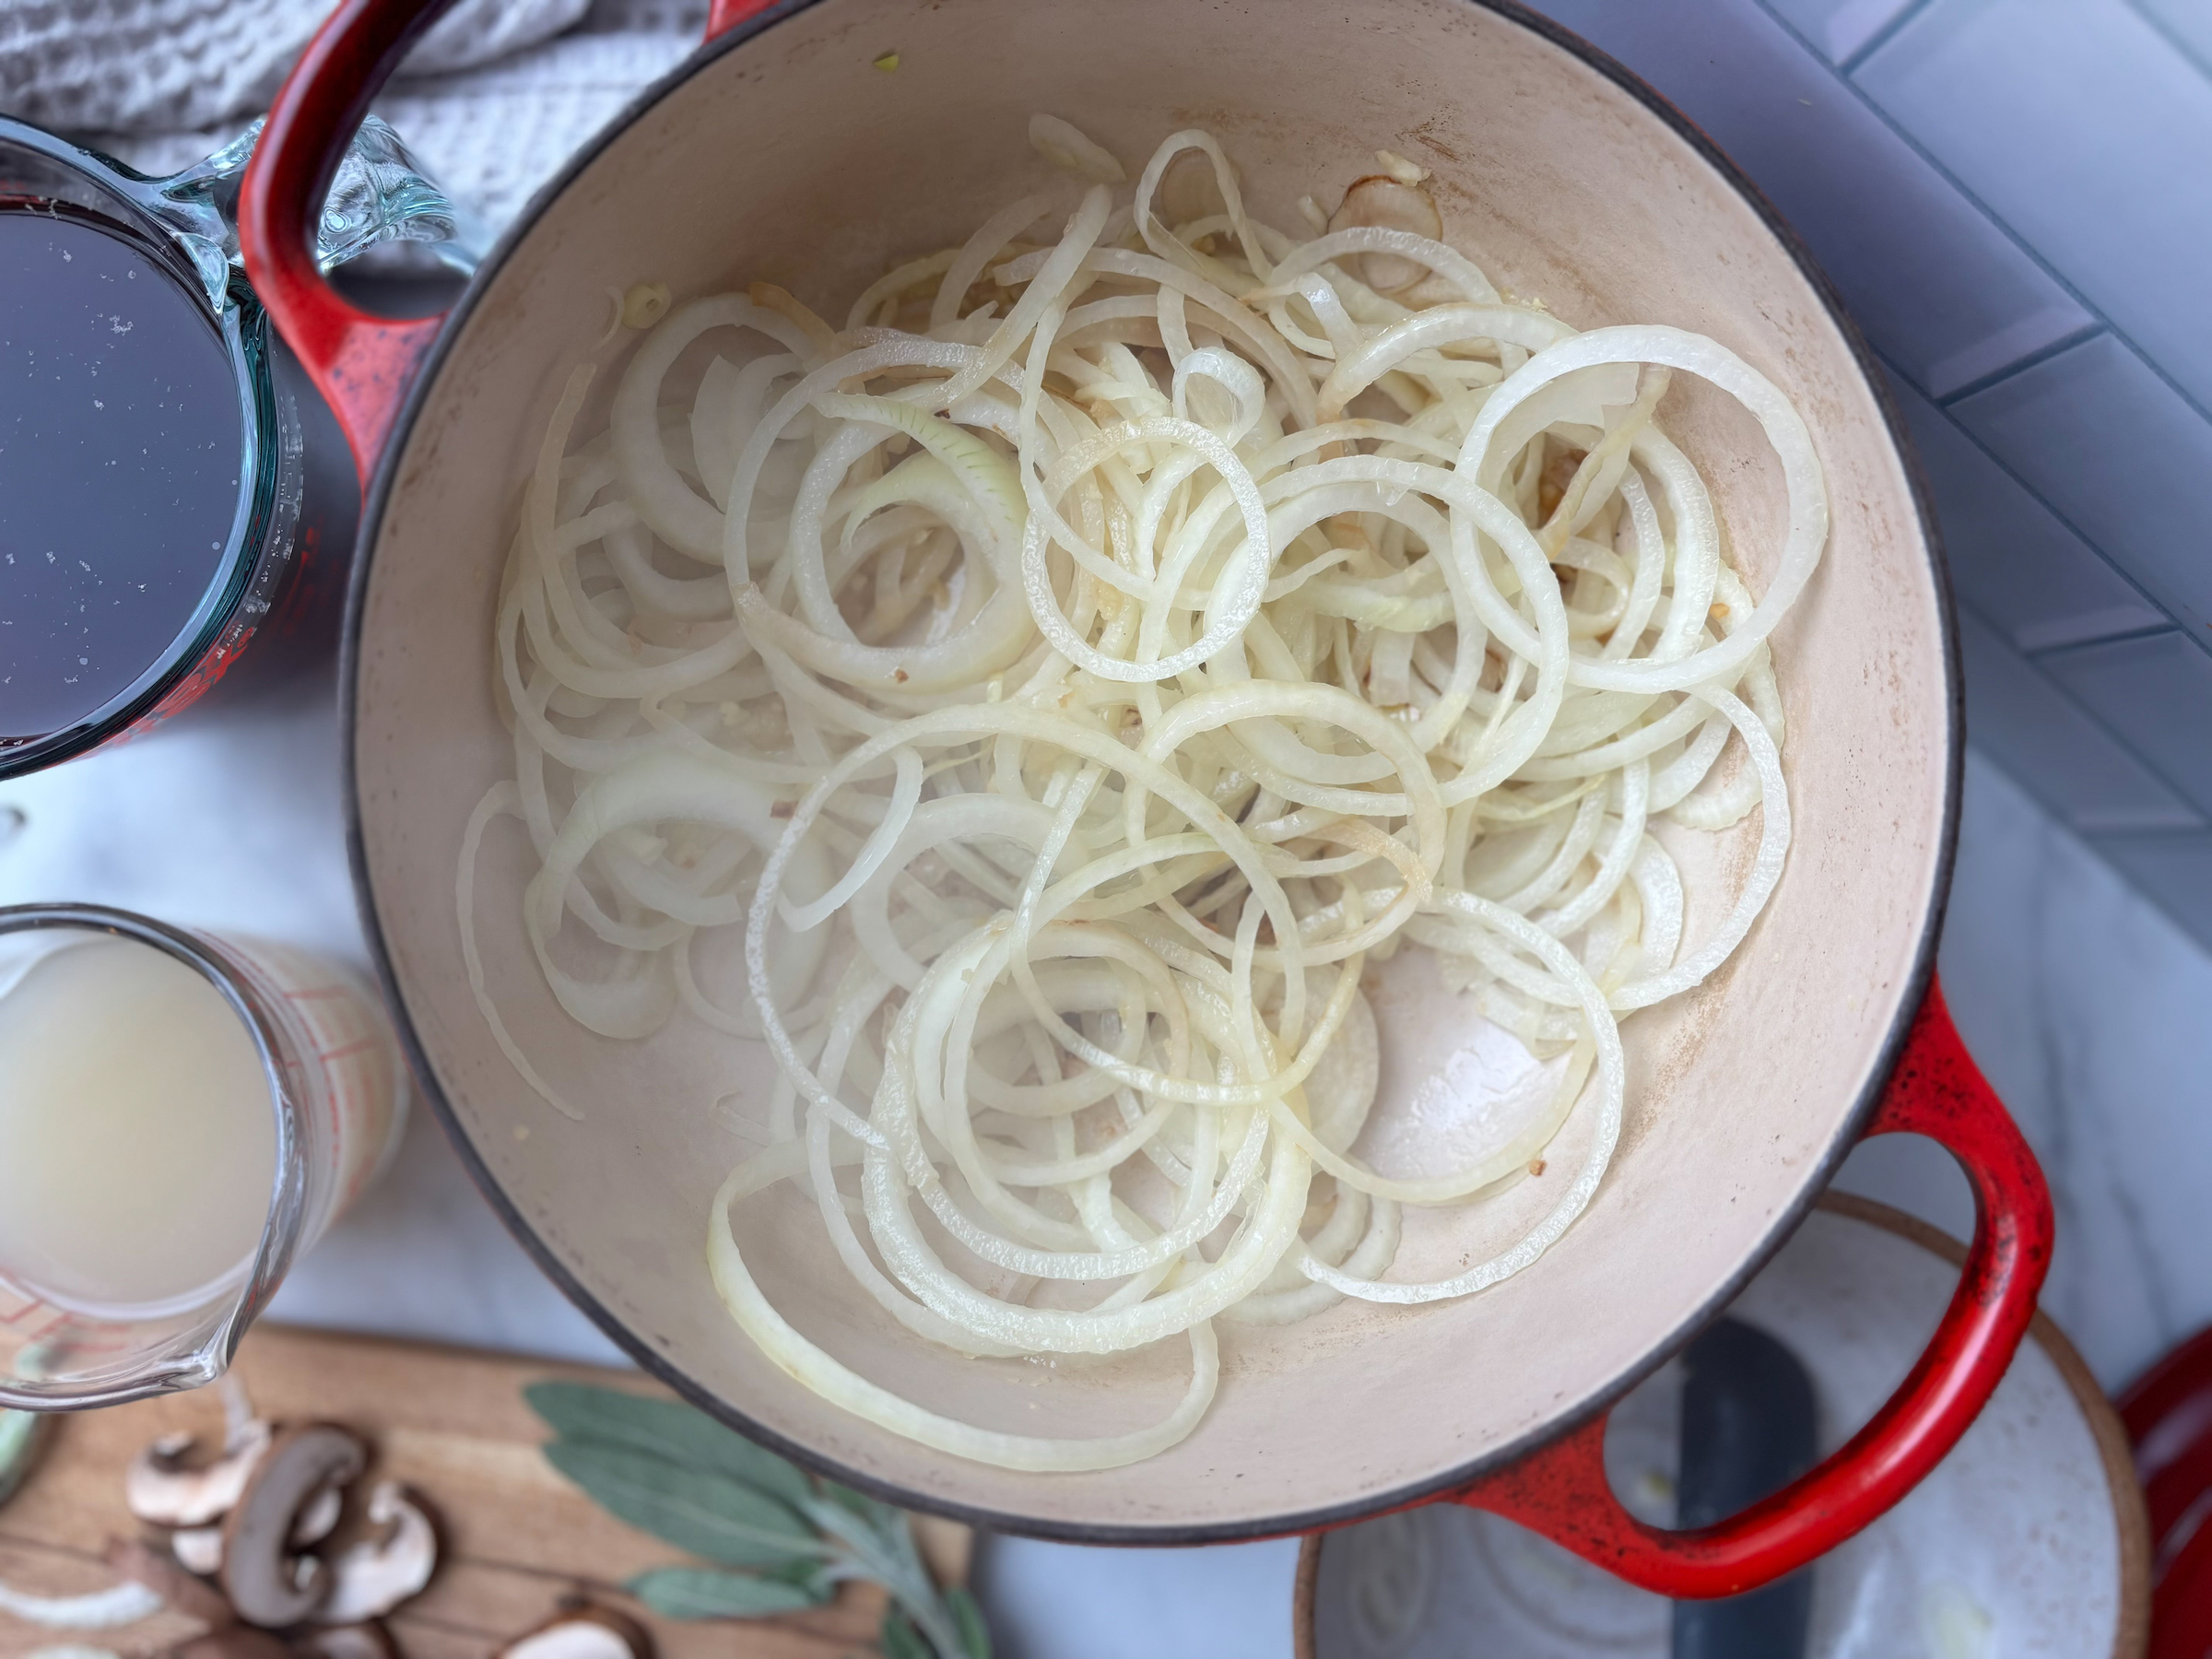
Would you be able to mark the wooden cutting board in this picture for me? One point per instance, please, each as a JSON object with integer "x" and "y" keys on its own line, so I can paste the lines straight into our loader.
{"x": 451, "y": 1424}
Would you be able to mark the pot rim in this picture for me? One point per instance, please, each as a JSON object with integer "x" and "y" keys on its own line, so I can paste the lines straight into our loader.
{"x": 1912, "y": 989}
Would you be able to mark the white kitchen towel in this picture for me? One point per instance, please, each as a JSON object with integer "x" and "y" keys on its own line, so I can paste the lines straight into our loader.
{"x": 492, "y": 101}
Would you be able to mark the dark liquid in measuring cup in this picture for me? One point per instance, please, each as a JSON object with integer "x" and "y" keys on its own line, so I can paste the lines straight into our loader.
{"x": 121, "y": 444}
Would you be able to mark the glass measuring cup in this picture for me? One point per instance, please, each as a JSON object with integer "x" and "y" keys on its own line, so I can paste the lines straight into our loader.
{"x": 329, "y": 1099}
{"x": 87, "y": 653}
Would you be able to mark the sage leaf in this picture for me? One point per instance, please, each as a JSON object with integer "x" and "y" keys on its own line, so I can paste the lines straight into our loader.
{"x": 702, "y": 1593}
{"x": 968, "y": 1619}
{"x": 667, "y": 1430}
{"x": 885, "y": 1553}
{"x": 20, "y": 1435}
{"x": 707, "y": 1515}
{"x": 899, "y": 1640}
{"x": 860, "y": 1503}
{"x": 684, "y": 1478}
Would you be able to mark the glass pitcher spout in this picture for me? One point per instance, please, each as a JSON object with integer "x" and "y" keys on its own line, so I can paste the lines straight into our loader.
{"x": 381, "y": 193}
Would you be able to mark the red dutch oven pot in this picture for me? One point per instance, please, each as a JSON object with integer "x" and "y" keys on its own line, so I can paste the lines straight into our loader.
{"x": 794, "y": 148}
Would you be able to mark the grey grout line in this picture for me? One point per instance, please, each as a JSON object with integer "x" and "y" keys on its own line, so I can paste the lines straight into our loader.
{"x": 2034, "y": 255}
{"x": 2075, "y": 647}
{"x": 2097, "y": 721}
{"x": 2037, "y": 496}
{"x": 2094, "y": 843}
{"x": 1842, "y": 79}
{"x": 2041, "y": 354}
{"x": 2194, "y": 405}
{"x": 2164, "y": 31}
{"x": 1842, "y": 75}
{"x": 2097, "y": 842}
{"x": 1882, "y": 37}
{"x": 2144, "y": 832}
{"x": 2020, "y": 365}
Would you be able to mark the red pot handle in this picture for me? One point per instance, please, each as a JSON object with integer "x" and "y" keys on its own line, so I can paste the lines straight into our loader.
{"x": 1937, "y": 1091}
{"x": 363, "y": 365}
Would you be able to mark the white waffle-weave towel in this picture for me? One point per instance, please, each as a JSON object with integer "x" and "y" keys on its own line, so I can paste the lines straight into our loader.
{"x": 493, "y": 101}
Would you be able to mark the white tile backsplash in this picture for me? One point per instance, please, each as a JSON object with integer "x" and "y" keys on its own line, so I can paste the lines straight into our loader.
{"x": 2011, "y": 558}
{"x": 2187, "y": 23}
{"x": 1839, "y": 29}
{"x": 2120, "y": 456}
{"x": 2175, "y": 868}
{"x": 2072, "y": 764}
{"x": 1945, "y": 293}
{"x": 2078, "y": 126}
{"x": 2153, "y": 691}
{"x": 1984, "y": 180}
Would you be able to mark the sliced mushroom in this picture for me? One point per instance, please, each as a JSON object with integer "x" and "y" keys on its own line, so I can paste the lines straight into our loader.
{"x": 164, "y": 1489}
{"x": 583, "y": 1632}
{"x": 237, "y": 1641}
{"x": 268, "y": 1584}
{"x": 370, "y": 1578}
{"x": 1392, "y": 205}
{"x": 370, "y": 1640}
{"x": 143, "y": 1564}
{"x": 198, "y": 1549}
{"x": 320, "y": 1518}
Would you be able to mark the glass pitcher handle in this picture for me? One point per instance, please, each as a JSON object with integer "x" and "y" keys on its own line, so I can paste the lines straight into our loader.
{"x": 380, "y": 195}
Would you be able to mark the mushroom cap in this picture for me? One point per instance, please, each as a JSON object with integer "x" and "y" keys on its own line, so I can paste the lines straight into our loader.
{"x": 584, "y": 1630}
{"x": 235, "y": 1642}
{"x": 163, "y": 1489}
{"x": 319, "y": 1517}
{"x": 366, "y": 1641}
{"x": 198, "y": 1549}
{"x": 370, "y": 1578}
{"x": 268, "y": 1583}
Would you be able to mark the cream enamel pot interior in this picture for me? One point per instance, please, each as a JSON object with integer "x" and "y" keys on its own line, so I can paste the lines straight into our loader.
{"x": 783, "y": 153}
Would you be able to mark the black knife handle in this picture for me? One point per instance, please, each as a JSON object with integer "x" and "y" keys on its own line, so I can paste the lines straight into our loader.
{"x": 1749, "y": 1428}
